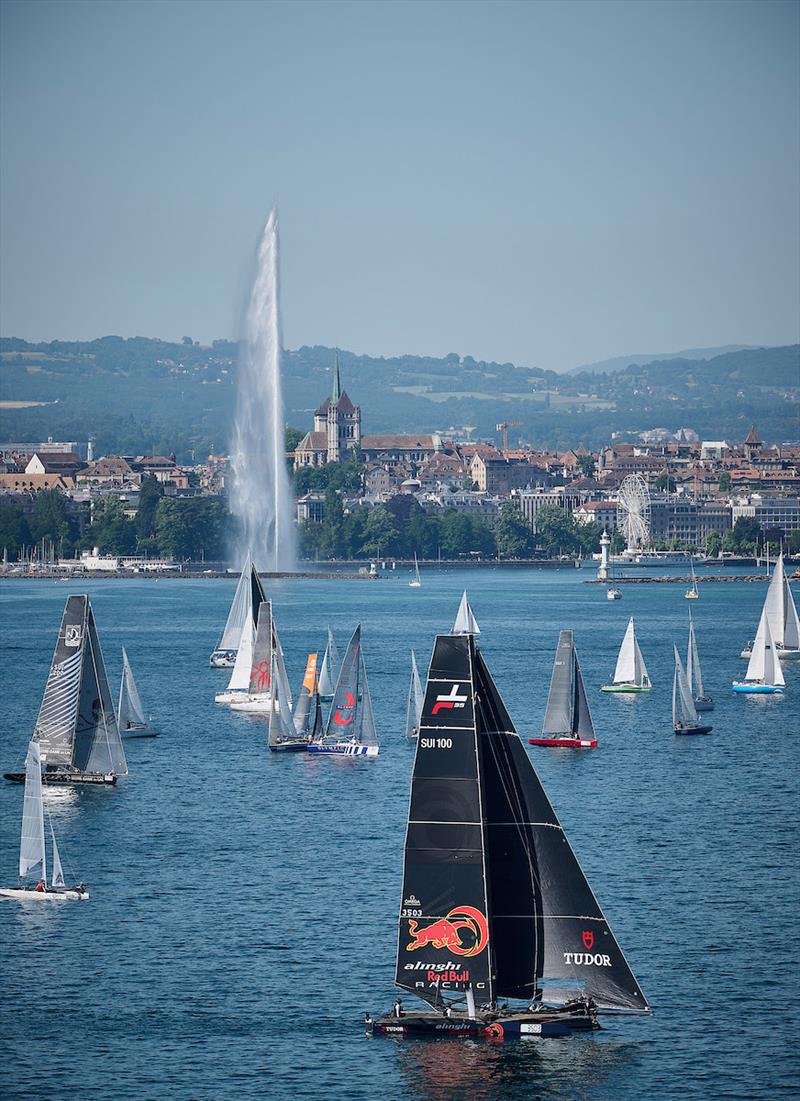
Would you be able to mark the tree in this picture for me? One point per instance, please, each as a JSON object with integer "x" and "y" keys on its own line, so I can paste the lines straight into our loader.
{"x": 150, "y": 493}
{"x": 557, "y": 532}
{"x": 514, "y": 535}
{"x": 617, "y": 543}
{"x": 14, "y": 533}
{"x": 746, "y": 534}
{"x": 292, "y": 437}
{"x": 330, "y": 541}
{"x": 793, "y": 542}
{"x": 379, "y": 532}
{"x": 665, "y": 482}
{"x": 724, "y": 482}
{"x": 587, "y": 465}
{"x": 191, "y": 528}
{"x": 713, "y": 544}
{"x": 110, "y": 530}
{"x": 49, "y": 519}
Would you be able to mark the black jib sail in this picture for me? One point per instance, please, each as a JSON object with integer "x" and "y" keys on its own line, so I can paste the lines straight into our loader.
{"x": 493, "y": 896}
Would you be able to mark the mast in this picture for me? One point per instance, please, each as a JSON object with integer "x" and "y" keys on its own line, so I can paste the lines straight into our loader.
{"x": 514, "y": 910}
{"x": 31, "y": 844}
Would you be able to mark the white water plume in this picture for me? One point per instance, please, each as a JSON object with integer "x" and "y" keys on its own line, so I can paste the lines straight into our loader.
{"x": 260, "y": 497}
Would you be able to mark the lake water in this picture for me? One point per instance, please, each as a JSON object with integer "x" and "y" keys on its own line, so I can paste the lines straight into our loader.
{"x": 244, "y": 904}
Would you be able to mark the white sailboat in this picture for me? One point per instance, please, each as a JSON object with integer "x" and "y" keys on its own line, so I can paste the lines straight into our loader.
{"x": 465, "y": 622}
{"x": 244, "y": 607}
{"x": 416, "y": 698}
{"x": 685, "y": 719}
{"x": 764, "y": 674}
{"x": 350, "y": 729}
{"x": 32, "y": 846}
{"x": 131, "y": 718}
{"x": 630, "y": 674}
{"x": 415, "y": 581}
{"x": 260, "y": 697}
{"x": 76, "y": 729}
{"x": 780, "y": 609}
{"x": 331, "y": 665}
{"x": 694, "y": 674}
{"x": 692, "y": 593}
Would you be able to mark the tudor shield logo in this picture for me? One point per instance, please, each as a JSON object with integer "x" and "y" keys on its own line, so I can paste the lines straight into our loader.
{"x": 587, "y": 936}
{"x": 450, "y": 701}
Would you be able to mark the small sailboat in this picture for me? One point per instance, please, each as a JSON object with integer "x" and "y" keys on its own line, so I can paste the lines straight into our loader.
{"x": 331, "y": 665}
{"x": 495, "y": 907}
{"x": 613, "y": 593}
{"x": 288, "y": 733}
{"x": 260, "y": 698}
{"x": 567, "y": 721}
{"x": 416, "y": 698}
{"x": 350, "y": 729}
{"x": 764, "y": 674}
{"x": 685, "y": 719}
{"x": 131, "y": 718}
{"x": 694, "y": 674}
{"x": 76, "y": 729}
{"x": 244, "y": 607}
{"x": 692, "y": 593}
{"x": 780, "y": 609}
{"x": 32, "y": 846}
{"x": 630, "y": 674}
{"x": 415, "y": 581}
{"x": 465, "y": 623}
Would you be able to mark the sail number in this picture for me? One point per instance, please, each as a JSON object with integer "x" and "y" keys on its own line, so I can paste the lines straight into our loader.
{"x": 410, "y": 913}
{"x": 436, "y": 743}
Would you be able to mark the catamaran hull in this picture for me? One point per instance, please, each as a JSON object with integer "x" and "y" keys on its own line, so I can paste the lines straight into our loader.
{"x": 30, "y": 894}
{"x": 346, "y": 750}
{"x": 627, "y": 689}
{"x": 565, "y": 743}
{"x": 65, "y": 777}
{"x": 757, "y": 689}
{"x": 513, "y": 1027}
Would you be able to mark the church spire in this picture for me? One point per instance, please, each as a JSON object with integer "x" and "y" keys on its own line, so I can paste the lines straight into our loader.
{"x": 336, "y": 387}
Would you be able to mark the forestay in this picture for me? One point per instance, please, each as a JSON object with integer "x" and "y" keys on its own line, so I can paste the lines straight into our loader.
{"x": 493, "y": 896}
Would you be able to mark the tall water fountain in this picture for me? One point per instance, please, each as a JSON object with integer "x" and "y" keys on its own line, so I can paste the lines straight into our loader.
{"x": 261, "y": 499}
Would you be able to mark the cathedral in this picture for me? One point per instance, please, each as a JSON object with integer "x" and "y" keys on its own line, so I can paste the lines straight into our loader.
{"x": 337, "y": 430}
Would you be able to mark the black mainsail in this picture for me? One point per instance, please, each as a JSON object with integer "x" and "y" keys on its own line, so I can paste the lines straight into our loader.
{"x": 494, "y": 900}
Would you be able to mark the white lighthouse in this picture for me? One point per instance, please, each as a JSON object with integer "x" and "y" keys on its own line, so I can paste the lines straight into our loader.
{"x": 602, "y": 569}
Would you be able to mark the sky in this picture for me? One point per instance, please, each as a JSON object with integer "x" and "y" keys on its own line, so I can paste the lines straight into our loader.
{"x": 543, "y": 183}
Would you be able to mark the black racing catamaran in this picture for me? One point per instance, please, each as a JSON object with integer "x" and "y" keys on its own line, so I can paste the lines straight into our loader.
{"x": 77, "y": 731}
{"x": 494, "y": 904}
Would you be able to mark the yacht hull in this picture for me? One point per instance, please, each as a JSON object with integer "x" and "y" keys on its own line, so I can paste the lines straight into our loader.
{"x": 757, "y": 689}
{"x": 55, "y": 777}
{"x": 511, "y": 1026}
{"x": 693, "y": 729}
{"x": 565, "y": 743}
{"x": 626, "y": 688}
{"x": 344, "y": 749}
{"x": 705, "y": 703}
{"x": 30, "y": 894}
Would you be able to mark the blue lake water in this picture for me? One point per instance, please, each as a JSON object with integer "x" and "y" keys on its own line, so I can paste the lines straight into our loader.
{"x": 243, "y": 909}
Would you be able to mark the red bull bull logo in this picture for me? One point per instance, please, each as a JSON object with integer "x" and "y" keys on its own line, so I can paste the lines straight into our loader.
{"x": 260, "y": 674}
{"x": 464, "y": 932}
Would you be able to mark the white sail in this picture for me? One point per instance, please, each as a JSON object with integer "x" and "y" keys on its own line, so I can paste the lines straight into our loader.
{"x": 774, "y": 604}
{"x": 791, "y": 624}
{"x": 133, "y": 707}
{"x": 416, "y": 697}
{"x": 694, "y": 675}
{"x": 773, "y": 674}
{"x": 683, "y": 709}
{"x": 367, "y": 734}
{"x": 240, "y": 611}
{"x": 625, "y": 672}
{"x": 31, "y": 845}
{"x": 329, "y": 672}
{"x": 280, "y": 667}
{"x": 466, "y": 623}
{"x": 764, "y": 666}
{"x": 58, "y": 874}
{"x": 243, "y": 666}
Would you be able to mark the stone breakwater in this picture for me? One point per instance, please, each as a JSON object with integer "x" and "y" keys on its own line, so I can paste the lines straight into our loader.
{"x": 705, "y": 580}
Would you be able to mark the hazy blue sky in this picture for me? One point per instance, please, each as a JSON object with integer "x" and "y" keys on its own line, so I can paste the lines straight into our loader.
{"x": 536, "y": 182}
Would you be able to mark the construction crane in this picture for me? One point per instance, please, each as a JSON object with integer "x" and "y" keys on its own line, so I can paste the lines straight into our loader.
{"x": 504, "y": 427}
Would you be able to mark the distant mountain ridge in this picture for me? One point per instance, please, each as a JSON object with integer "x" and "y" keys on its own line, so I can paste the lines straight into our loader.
{"x": 142, "y": 395}
{"x": 619, "y": 363}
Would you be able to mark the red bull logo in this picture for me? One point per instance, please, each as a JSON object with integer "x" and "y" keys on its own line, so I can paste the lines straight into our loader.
{"x": 447, "y": 932}
{"x": 349, "y": 703}
{"x": 452, "y": 700}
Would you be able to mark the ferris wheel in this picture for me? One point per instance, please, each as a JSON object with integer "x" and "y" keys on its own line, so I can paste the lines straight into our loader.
{"x": 633, "y": 511}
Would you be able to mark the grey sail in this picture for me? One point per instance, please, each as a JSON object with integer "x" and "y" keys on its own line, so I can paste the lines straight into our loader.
{"x": 329, "y": 672}
{"x": 261, "y": 660}
{"x": 280, "y": 666}
{"x": 281, "y": 727}
{"x": 416, "y": 697}
{"x": 583, "y": 727}
{"x": 684, "y": 712}
{"x": 558, "y": 718}
{"x": 58, "y": 873}
{"x": 130, "y": 709}
{"x": 31, "y": 846}
{"x": 366, "y": 732}
{"x": 97, "y": 746}
{"x": 306, "y": 698}
{"x": 341, "y": 722}
{"x": 55, "y": 726}
{"x": 694, "y": 675}
{"x": 240, "y": 611}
